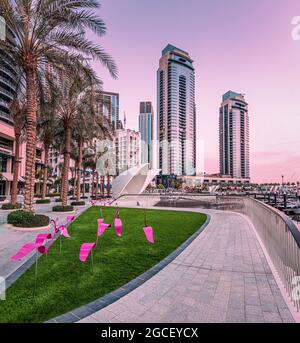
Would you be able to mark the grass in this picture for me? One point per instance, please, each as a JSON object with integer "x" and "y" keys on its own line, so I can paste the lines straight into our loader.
{"x": 65, "y": 283}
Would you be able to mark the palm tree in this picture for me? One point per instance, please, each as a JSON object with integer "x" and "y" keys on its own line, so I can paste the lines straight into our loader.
{"x": 71, "y": 96}
{"x": 47, "y": 125}
{"x": 17, "y": 110}
{"x": 53, "y": 32}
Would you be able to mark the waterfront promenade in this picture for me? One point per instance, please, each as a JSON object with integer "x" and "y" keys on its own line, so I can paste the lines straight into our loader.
{"x": 223, "y": 276}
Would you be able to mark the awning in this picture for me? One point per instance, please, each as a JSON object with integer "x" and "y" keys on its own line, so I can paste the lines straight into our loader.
{"x": 8, "y": 176}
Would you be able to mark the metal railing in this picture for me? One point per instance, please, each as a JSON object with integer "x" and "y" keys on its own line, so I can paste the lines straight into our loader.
{"x": 277, "y": 231}
{"x": 280, "y": 237}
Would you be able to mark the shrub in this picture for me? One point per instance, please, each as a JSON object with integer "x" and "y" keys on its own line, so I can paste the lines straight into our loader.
{"x": 43, "y": 201}
{"x": 37, "y": 195}
{"x": 95, "y": 198}
{"x": 78, "y": 203}
{"x": 27, "y": 219}
{"x": 58, "y": 200}
{"x": 84, "y": 197}
{"x": 11, "y": 206}
{"x": 73, "y": 198}
{"x": 60, "y": 208}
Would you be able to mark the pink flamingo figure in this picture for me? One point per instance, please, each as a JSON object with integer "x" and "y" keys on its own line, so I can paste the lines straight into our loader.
{"x": 63, "y": 232}
{"x": 70, "y": 219}
{"x": 101, "y": 229}
{"x": 148, "y": 230}
{"x": 85, "y": 250}
{"x": 118, "y": 224}
{"x": 27, "y": 249}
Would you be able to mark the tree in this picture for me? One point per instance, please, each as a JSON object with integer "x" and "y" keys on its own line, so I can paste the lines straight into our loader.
{"x": 72, "y": 94}
{"x": 47, "y": 125}
{"x": 17, "y": 110}
{"x": 53, "y": 32}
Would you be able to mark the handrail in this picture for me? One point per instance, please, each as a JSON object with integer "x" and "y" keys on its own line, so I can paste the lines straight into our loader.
{"x": 280, "y": 237}
{"x": 278, "y": 233}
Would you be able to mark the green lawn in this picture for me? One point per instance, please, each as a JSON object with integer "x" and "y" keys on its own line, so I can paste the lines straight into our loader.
{"x": 65, "y": 283}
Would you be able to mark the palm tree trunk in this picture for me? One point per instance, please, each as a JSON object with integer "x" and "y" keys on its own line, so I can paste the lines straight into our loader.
{"x": 74, "y": 179}
{"x": 108, "y": 185}
{"x": 98, "y": 181}
{"x": 17, "y": 161}
{"x": 93, "y": 182}
{"x": 30, "y": 139}
{"x": 83, "y": 188}
{"x": 78, "y": 169}
{"x": 103, "y": 183}
{"x": 45, "y": 174}
{"x": 66, "y": 167}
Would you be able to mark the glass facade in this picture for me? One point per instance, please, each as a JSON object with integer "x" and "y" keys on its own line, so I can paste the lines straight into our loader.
{"x": 7, "y": 77}
{"x": 234, "y": 136}
{"x": 109, "y": 108}
{"x": 146, "y": 118}
{"x": 176, "y": 113}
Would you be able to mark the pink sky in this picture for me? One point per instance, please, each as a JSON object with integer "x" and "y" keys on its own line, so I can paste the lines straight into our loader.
{"x": 239, "y": 45}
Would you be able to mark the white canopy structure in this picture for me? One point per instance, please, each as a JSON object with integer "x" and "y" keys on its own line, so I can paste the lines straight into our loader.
{"x": 133, "y": 181}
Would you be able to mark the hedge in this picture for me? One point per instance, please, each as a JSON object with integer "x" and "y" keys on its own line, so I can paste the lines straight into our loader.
{"x": 60, "y": 208}
{"x": 43, "y": 201}
{"x": 10, "y": 206}
{"x": 27, "y": 219}
{"x": 78, "y": 203}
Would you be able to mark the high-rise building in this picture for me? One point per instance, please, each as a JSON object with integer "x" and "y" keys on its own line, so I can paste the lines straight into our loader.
{"x": 146, "y": 122}
{"x": 127, "y": 145}
{"x": 234, "y": 136}
{"x": 109, "y": 108}
{"x": 176, "y": 113}
{"x": 7, "y": 76}
{"x": 7, "y": 135}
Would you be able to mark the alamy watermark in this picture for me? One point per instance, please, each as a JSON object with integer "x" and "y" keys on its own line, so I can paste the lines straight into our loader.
{"x": 296, "y": 28}
{"x": 2, "y": 288}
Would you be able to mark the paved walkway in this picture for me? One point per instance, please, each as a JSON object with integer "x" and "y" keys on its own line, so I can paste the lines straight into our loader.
{"x": 223, "y": 276}
{"x": 11, "y": 240}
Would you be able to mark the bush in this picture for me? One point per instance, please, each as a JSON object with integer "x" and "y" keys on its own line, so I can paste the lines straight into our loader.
{"x": 60, "y": 208}
{"x": 73, "y": 198}
{"x": 84, "y": 197}
{"x": 43, "y": 201}
{"x": 11, "y": 206}
{"x": 78, "y": 203}
{"x": 58, "y": 200}
{"x": 37, "y": 195}
{"x": 27, "y": 219}
{"x": 95, "y": 198}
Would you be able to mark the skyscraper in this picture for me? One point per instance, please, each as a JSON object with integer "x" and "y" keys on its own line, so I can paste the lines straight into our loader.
{"x": 7, "y": 75}
{"x": 146, "y": 122}
{"x": 109, "y": 108}
{"x": 127, "y": 145}
{"x": 234, "y": 136}
{"x": 176, "y": 112}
